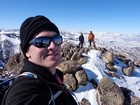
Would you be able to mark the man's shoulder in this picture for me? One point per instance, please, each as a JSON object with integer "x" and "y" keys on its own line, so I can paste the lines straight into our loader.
{"x": 24, "y": 81}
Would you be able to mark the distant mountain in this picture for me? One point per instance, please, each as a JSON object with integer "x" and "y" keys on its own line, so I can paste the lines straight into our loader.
{"x": 9, "y": 45}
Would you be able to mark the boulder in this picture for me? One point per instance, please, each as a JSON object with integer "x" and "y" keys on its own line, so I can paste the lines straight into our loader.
{"x": 111, "y": 67}
{"x": 128, "y": 70}
{"x": 108, "y": 57}
{"x": 70, "y": 81}
{"x": 69, "y": 66}
{"x": 81, "y": 77}
{"x": 109, "y": 93}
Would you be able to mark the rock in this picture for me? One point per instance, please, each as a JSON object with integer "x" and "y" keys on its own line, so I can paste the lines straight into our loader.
{"x": 135, "y": 100}
{"x": 70, "y": 81}
{"x": 109, "y": 73}
{"x": 128, "y": 70}
{"x": 108, "y": 57}
{"x": 80, "y": 53}
{"x": 111, "y": 67}
{"x": 137, "y": 63}
{"x": 102, "y": 50}
{"x": 87, "y": 50}
{"x": 129, "y": 98}
{"x": 68, "y": 56}
{"x": 109, "y": 93}
{"x": 83, "y": 60}
{"x": 65, "y": 50}
{"x": 75, "y": 56}
{"x": 63, "y": 59}
{"x": 15, "y": 63}
{"x": 69, "y": 66}
{"x": 94, "y": 83}
{"x": 81, "y": 77}
{"x": 84, "y": 101}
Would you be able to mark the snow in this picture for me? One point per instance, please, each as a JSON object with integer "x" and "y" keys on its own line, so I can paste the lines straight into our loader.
{"x": 94, "y": 69}
{"x": 95, "y": 66}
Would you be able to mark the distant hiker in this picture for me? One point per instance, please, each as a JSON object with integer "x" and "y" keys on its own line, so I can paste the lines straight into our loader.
{"x": 91, "y": 38}
{"x": 41, "y": 45}
{"x": 81, "y": 41}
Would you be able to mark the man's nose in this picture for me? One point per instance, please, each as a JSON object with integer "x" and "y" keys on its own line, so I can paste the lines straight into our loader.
{"x": 52, "y": 45}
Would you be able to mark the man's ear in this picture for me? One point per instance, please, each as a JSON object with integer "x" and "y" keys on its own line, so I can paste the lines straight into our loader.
{"x": 28, "y": 55}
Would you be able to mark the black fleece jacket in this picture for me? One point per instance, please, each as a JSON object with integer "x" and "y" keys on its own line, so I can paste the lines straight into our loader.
{"x": 26, "y": 90}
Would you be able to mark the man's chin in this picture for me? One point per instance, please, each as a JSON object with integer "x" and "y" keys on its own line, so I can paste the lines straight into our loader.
{"x": 53, "y": 58}
{"x": 53, "y": 64}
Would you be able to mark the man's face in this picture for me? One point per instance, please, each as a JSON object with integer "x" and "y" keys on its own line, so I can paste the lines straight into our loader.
{"x": 48, "y": 56}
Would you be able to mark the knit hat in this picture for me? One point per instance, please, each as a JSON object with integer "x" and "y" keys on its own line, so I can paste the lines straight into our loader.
{"x": 32, "y": 26}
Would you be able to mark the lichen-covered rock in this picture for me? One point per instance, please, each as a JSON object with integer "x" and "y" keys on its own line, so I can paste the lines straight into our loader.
{"x": 108, "y": 57}
{"x": 70, "y": 82}
{"x": 128, "y": 70}
{"x": 109, "y": 93}
{"x": 69, "y": 66}
{"x": 81, "y": 77}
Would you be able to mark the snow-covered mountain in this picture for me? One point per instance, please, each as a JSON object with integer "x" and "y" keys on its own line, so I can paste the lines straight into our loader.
{"x": 9, "y": 44}
{"x": 127, "y": 44}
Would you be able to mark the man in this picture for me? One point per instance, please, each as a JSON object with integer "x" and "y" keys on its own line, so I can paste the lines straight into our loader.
{"x": 91, "y": 39}
{"x": 81, "y": 41}
{"x": 41, "y": 45}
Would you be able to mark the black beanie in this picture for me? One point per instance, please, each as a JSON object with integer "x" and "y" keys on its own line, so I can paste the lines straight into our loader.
{"x": 32, "y": 26}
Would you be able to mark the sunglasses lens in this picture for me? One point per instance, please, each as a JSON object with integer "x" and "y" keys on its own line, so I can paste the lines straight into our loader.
{"x": 57, "y": 40}
{"x": 46, "y": 42}
{"x": 42, "y": 42}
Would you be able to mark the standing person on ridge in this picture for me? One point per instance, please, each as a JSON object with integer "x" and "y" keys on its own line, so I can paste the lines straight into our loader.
{"x": 41, "y": 45}
{"x": 81, "y": 41}
{"x": 91, "y": 38}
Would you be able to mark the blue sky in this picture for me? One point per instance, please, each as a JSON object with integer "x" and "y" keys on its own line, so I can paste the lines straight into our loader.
{"x": 75, "y": 15}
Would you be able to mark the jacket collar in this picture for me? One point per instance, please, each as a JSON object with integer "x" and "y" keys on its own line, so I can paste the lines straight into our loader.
{"x": 42, "y": 72}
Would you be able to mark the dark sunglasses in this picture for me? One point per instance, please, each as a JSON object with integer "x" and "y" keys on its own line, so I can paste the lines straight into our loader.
{"x": 45, "y": 41}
